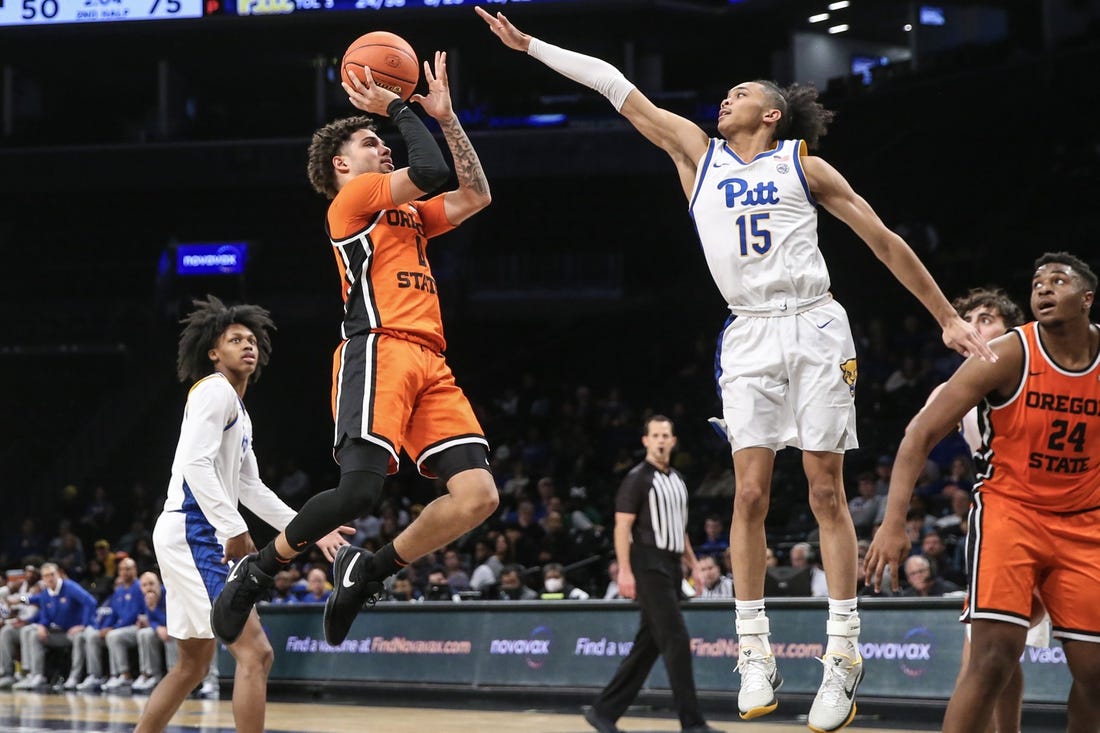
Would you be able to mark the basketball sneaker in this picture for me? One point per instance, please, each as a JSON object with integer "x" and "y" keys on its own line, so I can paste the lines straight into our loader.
{"x": 835, "y": 704}
{"x": 245, "y": 585}
{"x": 352, "y": 586}
{"x": 759, "y": 680}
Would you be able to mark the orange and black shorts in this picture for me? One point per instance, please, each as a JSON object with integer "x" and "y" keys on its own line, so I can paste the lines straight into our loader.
{"x": 1013, "y": 549}
{"x": 396, "y": 394}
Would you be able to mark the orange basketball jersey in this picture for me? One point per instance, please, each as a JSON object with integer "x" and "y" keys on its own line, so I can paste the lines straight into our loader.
{"x": 1041, "y": 446}
{"x": 381, "y": 252}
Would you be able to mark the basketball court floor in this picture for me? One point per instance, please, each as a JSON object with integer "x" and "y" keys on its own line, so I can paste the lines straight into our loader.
{"x": 29, "y": 712}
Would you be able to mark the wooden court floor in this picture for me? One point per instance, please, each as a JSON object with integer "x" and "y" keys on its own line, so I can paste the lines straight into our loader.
{"x": 29, "y": 712}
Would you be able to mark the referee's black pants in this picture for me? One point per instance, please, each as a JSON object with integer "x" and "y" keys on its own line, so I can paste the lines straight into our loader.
{"x": 662, "y": 632}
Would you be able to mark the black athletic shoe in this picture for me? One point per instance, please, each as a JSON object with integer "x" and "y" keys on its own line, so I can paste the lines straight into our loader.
{"x": 245, "y": 585}
{"x": 600, "y": 723}
{"x": 351, "y": 588}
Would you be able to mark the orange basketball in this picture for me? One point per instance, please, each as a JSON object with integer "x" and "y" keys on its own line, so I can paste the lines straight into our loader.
{"x": 391, "y": 59}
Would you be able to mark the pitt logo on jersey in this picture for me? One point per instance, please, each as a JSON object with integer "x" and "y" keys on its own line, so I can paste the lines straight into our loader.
{"x": 738, "y": 192}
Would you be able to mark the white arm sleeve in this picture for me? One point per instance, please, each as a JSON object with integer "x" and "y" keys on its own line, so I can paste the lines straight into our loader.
{"x": 263, "y": 502}
{"x": 210, "y": 407}
{"x": 592, "y": 72}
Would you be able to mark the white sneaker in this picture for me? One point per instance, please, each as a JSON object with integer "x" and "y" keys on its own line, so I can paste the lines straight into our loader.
{"x": 759, "y": 680}
{"x": 210, "y": 690}
{"x": 7, "y": 681}
{"x": 71, "y": 682}
{"x": 145, "y": 683}
{"x": 30, "y": 683}
{"x": 117, "y": 683}
{"x": 835, "y": 703}
{"x": 91, "y": 682}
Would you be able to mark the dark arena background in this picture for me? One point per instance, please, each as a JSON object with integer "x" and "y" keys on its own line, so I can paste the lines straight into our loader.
{"x": 138, "y": 136}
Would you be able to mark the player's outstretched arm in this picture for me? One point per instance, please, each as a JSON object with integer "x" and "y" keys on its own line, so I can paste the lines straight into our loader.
{"x": 975, "y": 379}
{"x": 837, "y": 196}
{"x": 682, "y": 139}
{"x": 472, "y": 194}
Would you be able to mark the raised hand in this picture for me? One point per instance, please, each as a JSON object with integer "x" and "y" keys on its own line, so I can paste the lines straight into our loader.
{"x": 367, "y": 96}
{"x": 965, "y": 339}
{"x": 437, "y": 102}
{"x": 503, "y": 29}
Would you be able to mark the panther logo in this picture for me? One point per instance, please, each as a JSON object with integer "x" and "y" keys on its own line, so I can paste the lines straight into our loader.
{"x": 851, "y": 373}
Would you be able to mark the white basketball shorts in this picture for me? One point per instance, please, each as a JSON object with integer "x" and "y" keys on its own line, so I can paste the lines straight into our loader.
{"x": 190, "y": 558}
{"x": 789, "y": 380}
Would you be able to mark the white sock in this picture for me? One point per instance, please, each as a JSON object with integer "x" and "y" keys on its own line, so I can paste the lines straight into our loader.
{"x": 752, "y": 613}
{"x": 843, "y": 627}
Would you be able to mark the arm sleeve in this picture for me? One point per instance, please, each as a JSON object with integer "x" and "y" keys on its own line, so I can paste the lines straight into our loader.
{"x": 211, "y": 406}
{"x": 593, "y": 73}
{"x": 427, "y": 168}
{"x": 259, "y": 498}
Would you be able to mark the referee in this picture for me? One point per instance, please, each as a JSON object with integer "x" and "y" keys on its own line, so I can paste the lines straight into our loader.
{"x": 650, "y": 541}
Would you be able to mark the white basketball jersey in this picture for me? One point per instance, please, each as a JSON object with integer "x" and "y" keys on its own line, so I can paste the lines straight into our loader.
{"x": 215, "y": 468}
{"x": 757, "y": 222}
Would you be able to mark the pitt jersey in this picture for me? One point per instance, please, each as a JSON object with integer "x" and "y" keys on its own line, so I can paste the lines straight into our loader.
{"x": 215, "y": 468}
{"x": 1042, "y": 444}
{"x": 380, "y": 249}
{"x": 757, "y": 222}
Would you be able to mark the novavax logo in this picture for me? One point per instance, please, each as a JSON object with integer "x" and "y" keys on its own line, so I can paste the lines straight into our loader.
{"x": 534, "y": 649}
{"x": 913, "y": 653}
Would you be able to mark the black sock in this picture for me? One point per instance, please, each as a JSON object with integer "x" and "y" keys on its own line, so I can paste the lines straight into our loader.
{"x": 269, "y": 560}
{"x": 386, "y": 562}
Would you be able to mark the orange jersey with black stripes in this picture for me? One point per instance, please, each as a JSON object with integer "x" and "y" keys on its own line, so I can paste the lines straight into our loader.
{"x": 381, "y": 252}
{"x": 1042, "y": 444}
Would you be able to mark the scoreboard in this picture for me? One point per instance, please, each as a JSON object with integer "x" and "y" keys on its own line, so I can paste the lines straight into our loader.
{"x": 48, "y": 12}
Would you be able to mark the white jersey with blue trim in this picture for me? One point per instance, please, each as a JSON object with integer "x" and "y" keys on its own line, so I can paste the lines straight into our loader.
{"x": 215, "y": 468}
{"x": 757, "y": 222}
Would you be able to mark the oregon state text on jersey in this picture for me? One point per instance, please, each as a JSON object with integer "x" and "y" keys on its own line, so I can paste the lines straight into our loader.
{"x": 757, "y": 222}
{"x": 380, "y": 249}
{"x": 1043, "y": 448}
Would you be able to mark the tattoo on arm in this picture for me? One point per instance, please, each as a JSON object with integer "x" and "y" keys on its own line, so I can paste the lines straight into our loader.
{"x": 467, "y": 165}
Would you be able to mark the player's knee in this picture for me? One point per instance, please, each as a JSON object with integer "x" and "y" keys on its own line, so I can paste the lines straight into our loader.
{"x": 360, "y": 491}
{"x": 825, "y": 499}
{"x": 751, "y": 500}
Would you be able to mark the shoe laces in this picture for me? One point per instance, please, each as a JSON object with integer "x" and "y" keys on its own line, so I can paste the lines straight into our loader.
{"x": 832, "y": 685}
{"x": 756, "y": 673}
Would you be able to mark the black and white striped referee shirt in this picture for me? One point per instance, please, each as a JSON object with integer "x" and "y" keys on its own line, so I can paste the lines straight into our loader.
{"x": 659, "y": 500}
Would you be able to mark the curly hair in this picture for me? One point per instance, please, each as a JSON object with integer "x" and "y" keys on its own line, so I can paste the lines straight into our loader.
{"x": 325, "y": 144}
{"x": 203, "y": 327}
{"x": 994, "y": 298}
{"x": 801, "y": 115}
{"x": 1079, "y": 266}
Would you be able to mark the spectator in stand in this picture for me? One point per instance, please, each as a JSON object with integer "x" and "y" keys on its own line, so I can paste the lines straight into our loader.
{"x": 922, "y": 581}
{"x": 97, "y": 581}
{"x": 544, "y": 492}
{"x": 64, "y": 610}
{"x": 557, "y": 543}
{"x": 103, "y": 553}
{"x": 512, "y": 587}
{"x": 803, "y": 556}
{"x": 935, "y": 551}
{"x": 884, "y": 466}
{"x": 555, "y": 587}
{"x": 715, "y": 538}
{"x": 127, "y": 605}
{"x": 18, "y": 623}
{"x": 152, "y": 634}
{"x": 282, "y": 593}
{"x": 457, "y": 577}
{"x": 137, "y": 529}
{"x": 715, "y": 585}
{"x": 530, "y": 534}
{"x": 484, "y": 573}
{"x": 867, "y": 506}
{"x": 317, "y": 587}
{"x": 403, "y": 589}
{"x": 294, "y": 485}
{"x": 143, "y": 555}
{"x": 67, "y": 551}
{"x": 436, "y": 588}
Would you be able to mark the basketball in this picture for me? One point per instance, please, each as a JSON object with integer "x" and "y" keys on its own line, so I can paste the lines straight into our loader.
{"x": 391, "y": 59}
